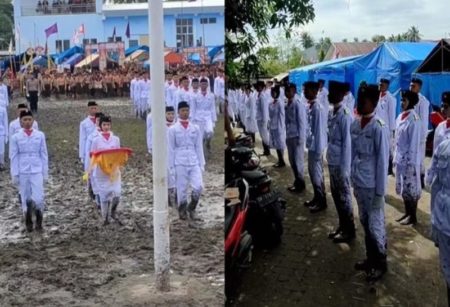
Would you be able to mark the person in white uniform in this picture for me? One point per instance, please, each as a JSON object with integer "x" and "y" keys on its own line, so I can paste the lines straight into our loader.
{"x": 262, "y": 115}
{"x": 87, "y": 126}
{"x": 386, "y": 110}
{"x": 407, "y": 157}
{"x": 109, "y": 192}
{"x": 183, "y": 93}
{"x": 251, "y": 126}
{"x": 144, "y": 95}
{"x": 170, "y": 121}
{"x": 186, "y": 159}
{"x": 219, "y": 90}
{"x": 15, "y": 126}
{"x": 204, "y": 114}
{"x": 4, "y": 135}
{"x": 29, "y": 169}
{"x": 134, "y": 94}
{"x": 442, "y": 131}
{"x": 4, "y": 98}
{"x": 423, "y": 110}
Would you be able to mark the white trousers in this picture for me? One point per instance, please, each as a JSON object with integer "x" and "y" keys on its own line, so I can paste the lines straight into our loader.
{"x": 2, "y": 149}
{"x": 31, "y": 187}
{"x": 185, "y": 176}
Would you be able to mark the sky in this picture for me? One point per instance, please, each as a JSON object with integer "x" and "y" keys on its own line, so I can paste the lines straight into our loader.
{"x": 339, "y": 19}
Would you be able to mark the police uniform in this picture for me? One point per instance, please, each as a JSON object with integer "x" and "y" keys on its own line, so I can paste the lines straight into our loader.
{"x": 438, "y": 177}
{"x": 296, "y": 122}
{"x": 316, "y": 142}
{"x": 370, "y": 151}
{"x": 187, "y": 160}
{"x": 29, "y": 169}
{"x": 339, "y": 160}
{"x": 407, "y": 159}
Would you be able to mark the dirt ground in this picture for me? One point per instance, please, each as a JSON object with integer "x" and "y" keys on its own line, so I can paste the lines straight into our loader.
{"x": 78, "y": 262}
{"x": 307, "y": 269}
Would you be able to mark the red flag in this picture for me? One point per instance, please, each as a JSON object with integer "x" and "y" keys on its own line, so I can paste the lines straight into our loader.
{"x": 51, "y": 30}
{"x": 127, "y": 32}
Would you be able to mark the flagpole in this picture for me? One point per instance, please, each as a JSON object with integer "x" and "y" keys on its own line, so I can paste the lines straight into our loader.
{"x": 160, "y": 212}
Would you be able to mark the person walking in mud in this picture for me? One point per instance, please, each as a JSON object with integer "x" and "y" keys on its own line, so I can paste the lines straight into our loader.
{"x": 170, "y": 121}
{"x": 187, "y": 161}
{"x": 339, "y": 159}
{"x": 87, "y": 126}
{"x": 407, "y": 157}
{"x": 33, "y": 90}
{"x": 29, "y": 169}
{"x": 109, "y": 192}
{"x": 370, "y": 159}
{"x": 3, "y": 136}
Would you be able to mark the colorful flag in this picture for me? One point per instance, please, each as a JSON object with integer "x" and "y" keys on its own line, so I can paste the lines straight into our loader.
{"x": 76, "y": 37}
{"x": 114, "y": 34}
{"x": 109, "y": 161}
{"x": 127, "y": 32}
{"x": 51, "y": 30}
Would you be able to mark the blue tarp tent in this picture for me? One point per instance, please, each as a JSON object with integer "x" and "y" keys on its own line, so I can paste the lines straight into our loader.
{"x": 393, "y": 61}
{"x": 133, "y": 49}
{"x": 194, "y": 57}
{"x": 68, "y": 53}
{"x": 434, "y": 71}
{"x": 215, "y": 51}
{"x": 74, "y": 59}
{"x": 338, "y": 69}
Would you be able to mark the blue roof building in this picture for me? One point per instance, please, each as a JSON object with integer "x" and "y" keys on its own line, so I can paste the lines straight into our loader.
{"x": 187, "y": 24}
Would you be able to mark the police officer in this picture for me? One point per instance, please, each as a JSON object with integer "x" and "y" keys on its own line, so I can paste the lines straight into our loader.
{"x": 407, "y": 157}
{"x": 277, "y": 130}
{"x": 438, "y": 177}
{"x": 29, "y": 169}
{"x": 442, "y": 131}
{"x": 295, "y": 120}
{"x": 316, "y": 142}
{"x": 370, "y": 151}
{"x": 339, "y": 159}
{"x": 187, "y": 161}
{"x": 386, "y": 109}
{"x": 423, "y": 110}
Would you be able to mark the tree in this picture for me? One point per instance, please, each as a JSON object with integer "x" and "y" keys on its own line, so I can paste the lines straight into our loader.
{"x": 268, "y": 53}
{"x": 356, "y": 40}
{"x": 378, "y": 39}
{"x": 345, "y": 40}
{"x": 6, "y": 23}
{"x": 307, "y": 40}
{"x": 247, "y": 23}
{"x": 413, "y": 35}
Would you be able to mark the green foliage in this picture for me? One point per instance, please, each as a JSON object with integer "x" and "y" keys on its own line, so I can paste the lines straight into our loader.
{"x": 247, "y": 23}
{"x": 307, "y": 40}
{"x": 6, "y": 23}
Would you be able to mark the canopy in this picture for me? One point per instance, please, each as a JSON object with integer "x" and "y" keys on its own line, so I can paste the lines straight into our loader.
{"x": 438, "y": 60}
{"x": 138, "y": 55}
{"x": 219, "y": 58}
{"x": 133, "y": 49}
{"x": 194, "y": 57}
{"x": 215, "y": 51}
{"x": 74, "y": 59}
{"x": 68, "y": 53}
{"x": 280, "y": 76}
{"x": 89, "y": 60}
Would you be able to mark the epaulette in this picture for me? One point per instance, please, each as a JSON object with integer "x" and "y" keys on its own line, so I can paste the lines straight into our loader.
{"x": 381, "y": 122}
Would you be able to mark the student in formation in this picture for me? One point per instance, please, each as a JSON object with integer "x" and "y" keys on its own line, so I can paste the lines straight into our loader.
{"x": 295, "y": 121}
{"x": 93, "y": 194}
{"x": 144, "y": 88}
{"x": 386, "y": 109}
{"x": 438, "y": 177}
{"x": 339, "y": 160}
{"x": 170, "y": 121}
{"x": 109, "y": 192}
{"x": 219, "y": 90}
{"x": 29, "y": 169}
{"x": 277, "y": 129}
{"x": 204, "y": 114}
{"x": 442, "y": 131}
{"x": 4, "y": 97}
{"x": 15, "y": 125}
{"x": 134, "y": 93}
{"x": 4, "y": 135}
{"x": 183, "y": 93}
{"x": 262, "y": 115}
{"x": 316, "y": 142}
{"x": 370, "y": 152}
{"x": 87, "y": 126}
{"x": 187, "y": 161}
{"x": 407, "y": 157}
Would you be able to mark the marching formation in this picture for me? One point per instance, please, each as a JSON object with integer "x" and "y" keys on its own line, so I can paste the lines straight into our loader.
{"x": 363, "y": 142}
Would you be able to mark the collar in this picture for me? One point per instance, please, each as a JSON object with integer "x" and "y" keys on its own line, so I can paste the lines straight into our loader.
{"x": 184, "y": 123}
{"x": 404, "y": 114}
{"x": 28, "y": 131}
{"x": 448, "y": 123}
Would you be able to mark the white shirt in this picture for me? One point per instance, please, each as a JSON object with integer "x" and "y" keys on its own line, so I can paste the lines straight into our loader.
{"x": 29, "y": 154}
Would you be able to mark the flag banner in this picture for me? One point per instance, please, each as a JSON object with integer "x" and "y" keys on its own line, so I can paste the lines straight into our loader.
{"x": 51, "y": 30}
{"x": 127, "y": 32}
{"x": 109, "y": 161}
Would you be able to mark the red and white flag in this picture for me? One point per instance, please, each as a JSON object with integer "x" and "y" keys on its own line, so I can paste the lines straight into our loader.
{"x": 81, "y": 29}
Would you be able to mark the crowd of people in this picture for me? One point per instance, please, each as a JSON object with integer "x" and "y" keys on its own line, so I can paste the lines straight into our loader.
{"x": 363, "y": 142}
{"x": 64, "y": 7}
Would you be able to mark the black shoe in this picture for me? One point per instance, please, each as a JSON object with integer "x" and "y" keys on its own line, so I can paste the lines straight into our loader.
{"x": 317, "y": 208}
{"x": 375, "y": 274}
{"x": 362, "y": 265}
{"x": 295, "y": 189}
{"x": 334, "y": 233}
{"x": 409, "y": 220}
{"x": 310, "y": 203}
{"x": 279, "y": 164}
{"x": 344, "y": 237}
{"x": 39, "y": 217}
{"x": 29, "y": 217}
{"x": 422, "y": 181}
{"x": 182, "y": 211}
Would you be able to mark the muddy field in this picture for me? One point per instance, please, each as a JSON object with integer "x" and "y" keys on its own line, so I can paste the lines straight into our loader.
{"x": 78, "y": 262}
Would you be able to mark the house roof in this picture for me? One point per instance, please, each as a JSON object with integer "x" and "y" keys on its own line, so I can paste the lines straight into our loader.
{"x": 342, "y": 50}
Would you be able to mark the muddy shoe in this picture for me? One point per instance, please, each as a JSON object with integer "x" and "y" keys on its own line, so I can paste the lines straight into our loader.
{"x": 362, "y": 265}
{"x": 29, "y": 217}
{"x": 114, "y": 205}
{"x": 182, "y": 211}
{"x": 334, "y": 233}
{"x": 193, "y": 216}
{"x": 344, "y": 237}
{"x": 375, "y": 274}
{"x": 39, "y": 217}
{"x": 2, "y": 167}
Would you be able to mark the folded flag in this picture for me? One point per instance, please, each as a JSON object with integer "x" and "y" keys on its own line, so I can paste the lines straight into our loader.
{"x": 109, "y": 161}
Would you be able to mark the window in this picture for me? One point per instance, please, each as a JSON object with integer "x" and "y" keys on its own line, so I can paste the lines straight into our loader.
{"x": 212, "y": 20}
{"x": 203, "y": 20}
{"x": 185, "y": 33}
{"x": 58, "y": 46}
{"x": 93, "y": 41}
{"x": 118, "y": 39}
{"x": 208, "y": 20}
{"x": 66, "y": 44}
{"x": 133, "y": 43}
{"x": 110, "y": 40}
{"x": 114, "y": 39}
{"x": 87, "y": 41}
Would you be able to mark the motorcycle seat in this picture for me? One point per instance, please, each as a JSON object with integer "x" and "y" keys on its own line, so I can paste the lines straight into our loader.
{"x": 254, "y": 176}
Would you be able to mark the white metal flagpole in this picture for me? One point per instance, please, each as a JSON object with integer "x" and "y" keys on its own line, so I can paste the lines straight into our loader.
{"x": 160, "y": 200}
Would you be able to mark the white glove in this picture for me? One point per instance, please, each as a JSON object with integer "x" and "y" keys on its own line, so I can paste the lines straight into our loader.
{"x": 378, "y": 202}
{"x": 15, "y": 180}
